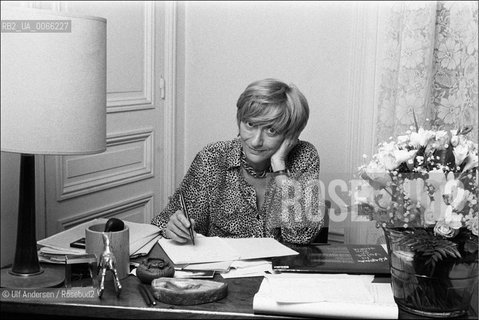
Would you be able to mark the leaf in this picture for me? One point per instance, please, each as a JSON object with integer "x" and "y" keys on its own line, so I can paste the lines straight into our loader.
{"x": 453, "y": 251}
{"x": 442, "y": 252}
{"x": 465, "y": 130}
{"x": 415, "y": 120}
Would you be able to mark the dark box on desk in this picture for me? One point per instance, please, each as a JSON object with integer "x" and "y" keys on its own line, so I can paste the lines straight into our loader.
{"x": 338, "y": 258}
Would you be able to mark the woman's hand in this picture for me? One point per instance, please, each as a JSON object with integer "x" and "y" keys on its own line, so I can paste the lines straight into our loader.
{"x": 278, "y": 159}
{"x": 177, "y": 228}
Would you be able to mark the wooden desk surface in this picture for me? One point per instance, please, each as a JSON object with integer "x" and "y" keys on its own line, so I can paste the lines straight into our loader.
{"x": 130, "y": 304}
{"x": 238, "y": 304}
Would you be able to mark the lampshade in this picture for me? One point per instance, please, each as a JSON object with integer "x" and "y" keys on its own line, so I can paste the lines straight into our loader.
{"x": 53, "y": 83}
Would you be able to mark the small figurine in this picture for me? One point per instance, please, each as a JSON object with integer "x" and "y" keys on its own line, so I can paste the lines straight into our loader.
{"x": 108, "y": 262}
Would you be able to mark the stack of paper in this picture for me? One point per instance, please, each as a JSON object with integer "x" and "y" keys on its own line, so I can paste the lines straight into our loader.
{"x": 220, "y": 266}
{"x": 53, "y": 249}
{"x": 325, "y": 295}
{"x": 239, "y": 257}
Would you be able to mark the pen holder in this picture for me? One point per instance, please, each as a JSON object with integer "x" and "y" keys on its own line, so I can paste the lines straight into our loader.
{"x": 119, "y": 244}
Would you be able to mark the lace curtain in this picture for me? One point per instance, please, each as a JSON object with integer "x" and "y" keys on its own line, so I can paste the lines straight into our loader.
{"x": 427, "y": 63}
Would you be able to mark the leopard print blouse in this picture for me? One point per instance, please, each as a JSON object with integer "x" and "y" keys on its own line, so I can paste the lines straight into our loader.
{"x": 223, "y": 204}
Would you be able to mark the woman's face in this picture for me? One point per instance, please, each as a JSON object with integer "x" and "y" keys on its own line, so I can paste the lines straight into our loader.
{"x": 259, "y": 142}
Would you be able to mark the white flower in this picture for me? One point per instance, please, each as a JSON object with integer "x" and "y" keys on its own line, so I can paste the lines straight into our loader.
{"x": 421, "y": 138}
{"x": 471, "y": 162}
{"x": 404, "y": 155}
{"x": 385, "y": 156}
{"x": 452, "y": 219}
{"x": 474, "y": 226}
{"x": 453, "y": 191}
{"x": 460, "y": 153}
{"x": 388, "y": 161}
{"x": 460, "y": 199}
{"x": 443, "y": 229}
{"x": 364, "y": 194}
{"x": 403, "y": 140}
{"x": 472, "y": 223}
{"x": 390, "y": 157}
{"x": 377, "y": 173}
{"x": 442, "y": 140}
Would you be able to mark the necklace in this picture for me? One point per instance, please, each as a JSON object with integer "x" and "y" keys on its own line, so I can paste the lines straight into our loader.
{"x": 252, "y": 172}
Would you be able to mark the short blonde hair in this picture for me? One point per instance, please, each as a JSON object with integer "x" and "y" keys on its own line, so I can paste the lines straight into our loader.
{"x": 274, "y": 103}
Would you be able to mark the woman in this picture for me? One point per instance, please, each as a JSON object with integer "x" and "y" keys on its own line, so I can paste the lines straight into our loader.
{"x": 262, "y": 184}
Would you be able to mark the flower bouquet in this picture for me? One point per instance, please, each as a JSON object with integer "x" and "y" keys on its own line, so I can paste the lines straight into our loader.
{"x": 421, "y": 188}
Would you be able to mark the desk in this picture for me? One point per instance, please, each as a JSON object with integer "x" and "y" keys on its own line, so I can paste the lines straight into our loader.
{"x": 130, "y": 305}
{"x": 238, "y": 304}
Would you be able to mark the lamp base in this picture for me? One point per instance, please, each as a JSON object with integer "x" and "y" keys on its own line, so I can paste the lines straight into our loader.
{"x": 49, "y": 277}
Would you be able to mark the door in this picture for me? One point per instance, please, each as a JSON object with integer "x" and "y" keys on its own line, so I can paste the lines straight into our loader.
{"x": 131, "y": 179}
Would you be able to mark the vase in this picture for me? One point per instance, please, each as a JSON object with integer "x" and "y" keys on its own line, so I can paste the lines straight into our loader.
{"x": 432, "y": 276}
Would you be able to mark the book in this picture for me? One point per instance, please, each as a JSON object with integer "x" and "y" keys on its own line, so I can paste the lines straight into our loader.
{"x": 325, "y": 295}
{"x": 338, "y": 258}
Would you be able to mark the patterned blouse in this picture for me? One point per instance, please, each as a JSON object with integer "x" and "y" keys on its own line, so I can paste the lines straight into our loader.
{"x": 223, "y": 204}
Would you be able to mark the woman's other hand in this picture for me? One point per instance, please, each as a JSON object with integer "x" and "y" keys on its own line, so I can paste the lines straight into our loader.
{"x": 278, "y": 159}
{"x": 177, "y": 228}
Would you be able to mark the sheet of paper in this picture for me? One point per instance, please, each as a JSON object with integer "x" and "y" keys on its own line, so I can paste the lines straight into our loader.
{"x": 206, "y": 249}
{"x": 199, "y": 274}
{"x": 141, "y": 234}
{"x": 344, "y": 288}
{"x": 383, "y": 306}
{"x": 256, "y": 248}
{"x": 221, "y": 266}
{"x": 63, "y": 251}
{"x": 61, "y": 241}
{"x": 248, "y": 268}
{"x": 243, "y": 264}
{"x": 144, "y": 249}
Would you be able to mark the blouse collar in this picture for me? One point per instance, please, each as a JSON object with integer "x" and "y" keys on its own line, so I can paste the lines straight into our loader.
{"x": 234, "y": 155}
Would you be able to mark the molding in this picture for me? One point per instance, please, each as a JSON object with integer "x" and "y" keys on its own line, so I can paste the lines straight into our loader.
{"x": 361, "y": 103}
{"x": 134, "y": 100}
{"x": 144, "y": 201}
{"x": 99, "y": 178}
{"x": 169, "y": 124}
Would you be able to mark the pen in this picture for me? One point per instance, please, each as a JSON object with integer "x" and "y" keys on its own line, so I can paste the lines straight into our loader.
{"x": 149, "y": 295}
{"x": 145, "y": 296}
{"x": 185, "y": 211}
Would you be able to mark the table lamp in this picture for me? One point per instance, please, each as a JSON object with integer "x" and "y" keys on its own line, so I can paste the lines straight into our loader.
{"x": 53, "y": 102}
